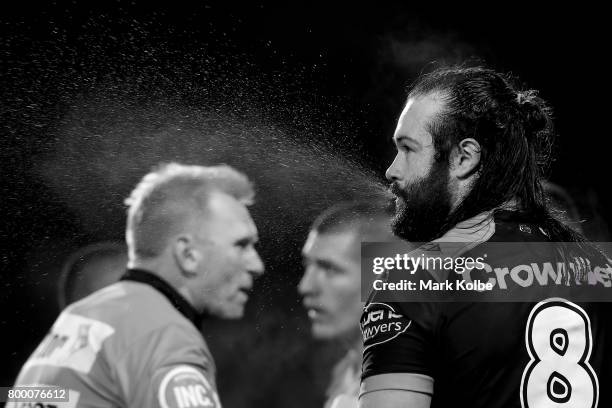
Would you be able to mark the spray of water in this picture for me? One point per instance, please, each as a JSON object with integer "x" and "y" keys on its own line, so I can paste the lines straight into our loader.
{"x": 108, "y": 140}
{"x": 103, "y": 103}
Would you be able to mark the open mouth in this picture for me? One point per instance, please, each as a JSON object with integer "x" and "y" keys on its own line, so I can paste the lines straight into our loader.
{"x": 315, "y": 313}
{"x": 244, "y": 293}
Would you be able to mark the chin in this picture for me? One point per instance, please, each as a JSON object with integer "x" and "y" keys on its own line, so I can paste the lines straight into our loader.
{"x": 324, "y": 331}
{"x": 234, "y": 313}
{"x": 229, "y": 313}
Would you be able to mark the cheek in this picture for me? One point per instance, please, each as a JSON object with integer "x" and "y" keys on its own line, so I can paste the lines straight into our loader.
{"x": 223, "y": 267}
{"x": 415, "y": 166}
{"x": 420, "y": 168}
{"x": 345, "y": 296}
{"x": 233, "y": 279}
{"x": 225, "y": 284}
{"x": 219, "y": 279}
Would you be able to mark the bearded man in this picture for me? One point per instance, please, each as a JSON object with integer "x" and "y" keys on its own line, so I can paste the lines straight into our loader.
{"x": 472, "y": 149}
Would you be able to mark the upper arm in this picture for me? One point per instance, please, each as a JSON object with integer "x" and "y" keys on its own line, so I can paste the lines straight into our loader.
{"x": 183, "y": 374}
{"x": 393, "y": 343}
{"x": 396, "y": 390}
{"x": 181, "y": 385}
{"x": 397, "y": 360}
{"x": 394, "y": 399}
{"x": 174, "y": 369}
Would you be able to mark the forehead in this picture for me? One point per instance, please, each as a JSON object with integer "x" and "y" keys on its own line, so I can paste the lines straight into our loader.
{"x": 226, "y": 216}
{"x": 333, "y": 246}
{"x": 418, "y": 112}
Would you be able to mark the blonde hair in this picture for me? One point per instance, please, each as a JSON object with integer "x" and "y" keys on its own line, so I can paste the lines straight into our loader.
{"x": 171, "y": 195}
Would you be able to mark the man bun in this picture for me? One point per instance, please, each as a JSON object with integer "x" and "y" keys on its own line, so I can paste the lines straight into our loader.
{"x": 536, "y": 116}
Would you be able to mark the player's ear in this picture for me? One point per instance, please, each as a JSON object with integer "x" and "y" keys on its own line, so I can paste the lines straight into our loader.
{"x": 465, "y": 158}
{"x": 186, "y": 254}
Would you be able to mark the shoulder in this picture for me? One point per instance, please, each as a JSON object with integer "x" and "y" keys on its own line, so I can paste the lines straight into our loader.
{"x": 130, "y": 307}
{"x": 140, "y": 317}
{"x": 513, "y": 226}
{"x": 170, "y": 366}
{"x": 515, "y": 241}
{"x": 168, "y": 346}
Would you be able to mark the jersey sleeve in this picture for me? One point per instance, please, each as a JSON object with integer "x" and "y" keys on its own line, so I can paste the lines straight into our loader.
{"x": 177, "y": 371}
{"x": 398, "y": 350}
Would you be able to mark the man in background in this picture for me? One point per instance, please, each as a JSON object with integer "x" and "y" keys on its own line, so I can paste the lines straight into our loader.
{"x": 91, "y": 268}
{"x": 331, "y": 286}
{"x": 136, "y": 343}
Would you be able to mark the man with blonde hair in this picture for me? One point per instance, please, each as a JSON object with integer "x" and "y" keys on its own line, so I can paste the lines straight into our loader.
{"x": 136, "y": 343}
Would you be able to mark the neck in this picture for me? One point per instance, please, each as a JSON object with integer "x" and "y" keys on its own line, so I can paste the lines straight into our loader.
{"x": 168, "y": 272}
{"x": 352, "y": 340}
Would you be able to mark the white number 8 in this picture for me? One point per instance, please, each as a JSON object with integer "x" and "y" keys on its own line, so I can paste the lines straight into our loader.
{"x": 559, "y": 342}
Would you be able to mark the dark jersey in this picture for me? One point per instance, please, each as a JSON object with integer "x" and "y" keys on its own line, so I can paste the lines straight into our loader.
{"x": 547, "y": 352}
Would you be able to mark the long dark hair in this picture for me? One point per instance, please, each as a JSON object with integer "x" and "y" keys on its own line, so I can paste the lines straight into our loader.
{"x": 515, "y": 131}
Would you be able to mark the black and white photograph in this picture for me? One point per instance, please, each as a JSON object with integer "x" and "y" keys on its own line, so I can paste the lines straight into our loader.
{"x": 305, "y": 204}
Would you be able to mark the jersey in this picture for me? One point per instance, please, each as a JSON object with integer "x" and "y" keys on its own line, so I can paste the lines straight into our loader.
{"x": 548, "y": 352}
{"x": 132, "y": 344}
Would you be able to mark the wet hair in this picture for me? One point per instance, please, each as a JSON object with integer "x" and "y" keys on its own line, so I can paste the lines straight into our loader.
{"x": 369, "y": 219}
{"x": 168, "y": 198}
{"x": 515, "y": 131}
{"x": 78, "y": 265}
{"x": 562, "y": 206}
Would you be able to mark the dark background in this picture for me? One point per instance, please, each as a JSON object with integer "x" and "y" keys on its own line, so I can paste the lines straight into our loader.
{"x": 303, "y": 97}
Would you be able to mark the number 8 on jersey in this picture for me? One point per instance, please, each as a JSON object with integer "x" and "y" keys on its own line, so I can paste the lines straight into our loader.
{"x": 559, "y": 342}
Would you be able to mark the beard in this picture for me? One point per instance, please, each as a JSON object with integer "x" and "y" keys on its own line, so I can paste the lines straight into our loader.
{"x": 423, "y": 207}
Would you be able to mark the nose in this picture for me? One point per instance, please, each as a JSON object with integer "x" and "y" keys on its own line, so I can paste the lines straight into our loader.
{"x": 307, "y": 285}
{"x": 392, "y": 173}
{"x": 254, "y": 264}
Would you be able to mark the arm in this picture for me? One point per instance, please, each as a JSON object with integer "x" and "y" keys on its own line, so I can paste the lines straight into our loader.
{"x": 396, "y": 390}
{"x": 397, "y": 360}
{"x": 170, "y": 367}
{"x": 182, "y": 385}
{"x": 394, "y": 399}
{"x": 183, "y": 373}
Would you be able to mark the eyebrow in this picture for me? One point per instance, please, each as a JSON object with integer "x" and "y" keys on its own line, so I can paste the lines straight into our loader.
{"x": 247, "y": 240}
{"x": 322, "y": 263}
{"x": 399, "y": 138}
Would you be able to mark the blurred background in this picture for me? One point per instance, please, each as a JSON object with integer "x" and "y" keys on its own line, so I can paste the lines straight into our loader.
{"x": 303, "y": 97}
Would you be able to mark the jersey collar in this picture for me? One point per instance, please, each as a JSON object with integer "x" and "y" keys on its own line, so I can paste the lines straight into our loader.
{"x": 175, "y": 298}
{"x": 467, "y": 234}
